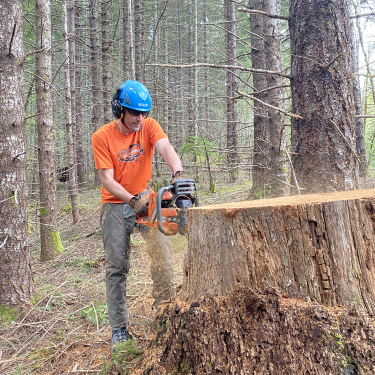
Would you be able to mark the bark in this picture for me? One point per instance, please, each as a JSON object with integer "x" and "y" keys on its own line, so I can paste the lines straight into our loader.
{"x": 106, "y": 62}
{"x": 322, "y": 94}
{"x": 49, "y": 234}
{"x": 128, "y": 67}
{"x": 315, "y": 247}
{"x": 269, "y": 171}
{"x": 78, "y": 84}
{"x": 251, "y": 333}
{"x": 230, "y": 51}
{"x": 139, "y": 39}
{"x": 16, "y": 283}
{"x": 72, "y": 186}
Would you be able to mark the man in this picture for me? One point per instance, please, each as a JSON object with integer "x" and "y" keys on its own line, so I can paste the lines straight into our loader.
{"x": 123, "y": 152}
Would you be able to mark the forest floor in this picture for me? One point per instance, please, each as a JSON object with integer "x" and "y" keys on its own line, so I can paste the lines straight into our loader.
{"x": 64, "y": 328}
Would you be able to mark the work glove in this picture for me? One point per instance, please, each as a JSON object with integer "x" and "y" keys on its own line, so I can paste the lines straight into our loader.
{"x": 139, "y": 206}
{"x": 179, "y": 175}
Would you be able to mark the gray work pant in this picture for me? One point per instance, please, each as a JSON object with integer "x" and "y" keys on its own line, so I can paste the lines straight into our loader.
{"x": 117, "y": 222}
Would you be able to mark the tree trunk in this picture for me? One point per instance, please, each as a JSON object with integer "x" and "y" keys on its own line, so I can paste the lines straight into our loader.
{"x": 73, "y": 194}
{"x": 72, "y": 77}
{"x": 314, "y": 247}
{"x": 106, "y": 62}
{"x": 139, "y": 40}
{"x": 179, "y": 131}
{"x": 261, "y": 175}
{"x": 323, "y": 95}
{"x": 16, "y": 283}
{"x": 97, "y": 109}
{"x": 230, "y": 52}
{"x": 128, "y": 67}
{"x": 359, "y": 126}
{"x": 155, "y": 94}
{"x": 79, "y": 112}
{"x": 166, "y": 101}
{"x": 275, "y": 97}
{"x": 269, "y": 171}
{"x": 50, "y": 237}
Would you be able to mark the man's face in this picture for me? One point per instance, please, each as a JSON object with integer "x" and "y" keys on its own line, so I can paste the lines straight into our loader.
{"x": 134, "y": 122}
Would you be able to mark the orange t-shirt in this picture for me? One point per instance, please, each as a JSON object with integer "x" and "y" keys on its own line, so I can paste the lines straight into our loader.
{"x": 130, "y": 156}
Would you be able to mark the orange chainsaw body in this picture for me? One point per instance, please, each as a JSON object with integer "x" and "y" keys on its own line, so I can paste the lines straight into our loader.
{"x": 168, "y": 212}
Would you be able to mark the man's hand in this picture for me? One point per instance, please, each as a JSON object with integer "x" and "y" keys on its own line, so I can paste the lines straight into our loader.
{"x": 139, "y": 206}
{"x": 179, "y": 175}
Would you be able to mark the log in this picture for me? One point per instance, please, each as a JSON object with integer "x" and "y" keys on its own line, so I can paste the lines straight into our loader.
{"x": 317, "y": 247}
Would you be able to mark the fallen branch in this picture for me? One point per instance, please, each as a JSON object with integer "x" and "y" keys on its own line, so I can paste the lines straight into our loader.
{"x": 37, "y": 304}
{"x": 325, "y": 68}
{"x": 346, "y": 141}
{"x": 364, "y": 116}
{"x": 294, "y": 173}
{"x": 270, "y": 106}
{"x": 362, "y": 15}
{"x": 206, "y": 65}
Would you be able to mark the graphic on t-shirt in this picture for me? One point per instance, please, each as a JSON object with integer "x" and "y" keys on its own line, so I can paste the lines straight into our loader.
{"x": 131, "y": 153}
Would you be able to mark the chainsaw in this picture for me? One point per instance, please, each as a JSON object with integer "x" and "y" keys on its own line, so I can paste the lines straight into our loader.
{"x": 167, "y": 209}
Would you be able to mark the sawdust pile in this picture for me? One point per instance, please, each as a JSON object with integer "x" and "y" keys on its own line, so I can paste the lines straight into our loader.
{"x": 253, "y": 333}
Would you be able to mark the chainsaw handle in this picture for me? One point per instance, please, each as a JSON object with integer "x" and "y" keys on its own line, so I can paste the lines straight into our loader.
{"x": 159, "y": 197}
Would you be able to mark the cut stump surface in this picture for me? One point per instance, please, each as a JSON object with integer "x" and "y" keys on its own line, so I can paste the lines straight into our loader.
{"x": 316, "y": 247}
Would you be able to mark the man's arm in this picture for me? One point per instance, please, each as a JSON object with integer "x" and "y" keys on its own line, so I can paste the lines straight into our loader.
{"x": 168, "y": 153}
{"x": 113, "y": 187}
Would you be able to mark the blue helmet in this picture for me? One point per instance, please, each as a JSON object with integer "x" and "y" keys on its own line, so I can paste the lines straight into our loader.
{"x": 133, "y": 95}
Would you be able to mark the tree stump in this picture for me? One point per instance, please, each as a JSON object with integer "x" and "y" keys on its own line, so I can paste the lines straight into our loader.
{"x": 316, "y": 247}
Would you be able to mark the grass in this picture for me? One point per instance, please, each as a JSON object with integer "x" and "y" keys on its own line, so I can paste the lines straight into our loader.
{"x": 7, "y": 315}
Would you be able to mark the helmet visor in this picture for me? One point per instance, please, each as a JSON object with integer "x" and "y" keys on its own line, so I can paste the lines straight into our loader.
{"x": 135, "y": 113}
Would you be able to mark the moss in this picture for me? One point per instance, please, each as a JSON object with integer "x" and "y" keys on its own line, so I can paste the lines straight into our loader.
{"x": 67, "y": 208}
{"x": 355, "y": 297}
{"x": 184, "y": 366}
{"x": 338, "y": 339}
{"x": 56, "y": 241}
{"x": 258, "y": 194}
{"x": 356, "y": 273}
{"x": 30, "y": 228}
{"x": 212, "y": 188}
{"x": 7, "y": 315}
{"x": 43, "y": 211}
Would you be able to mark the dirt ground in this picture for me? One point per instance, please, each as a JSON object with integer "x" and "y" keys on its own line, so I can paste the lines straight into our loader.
{"x": 64, "y": 328}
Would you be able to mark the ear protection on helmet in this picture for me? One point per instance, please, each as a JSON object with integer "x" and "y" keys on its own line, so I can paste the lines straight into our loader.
{"x": 116, "y": 106}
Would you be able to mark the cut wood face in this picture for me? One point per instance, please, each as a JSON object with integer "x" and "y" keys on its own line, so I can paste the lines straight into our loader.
{"x": 318, "y": 247}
